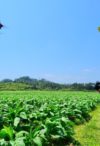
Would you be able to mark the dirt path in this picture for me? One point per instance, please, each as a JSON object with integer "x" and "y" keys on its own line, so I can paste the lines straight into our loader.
{"x": 89, "y": 133}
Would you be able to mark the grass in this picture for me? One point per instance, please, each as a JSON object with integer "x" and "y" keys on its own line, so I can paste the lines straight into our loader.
{"x": 89, "y": 133}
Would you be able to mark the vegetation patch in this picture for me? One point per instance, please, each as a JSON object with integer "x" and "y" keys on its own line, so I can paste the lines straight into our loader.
{"x": 43, "y": 118}
{"x": 89, "y": 133}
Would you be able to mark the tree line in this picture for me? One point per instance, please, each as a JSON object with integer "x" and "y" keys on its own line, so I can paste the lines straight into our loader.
{"x": 27, "y": 83}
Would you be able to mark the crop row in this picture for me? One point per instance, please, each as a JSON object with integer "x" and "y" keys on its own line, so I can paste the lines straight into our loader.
{"x": 45, "y": 121}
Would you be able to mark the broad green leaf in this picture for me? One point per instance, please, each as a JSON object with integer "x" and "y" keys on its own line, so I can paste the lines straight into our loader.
{"x": 21, "y": 134}
{"x": 63, "y": 119}
{"x": 19, "y": 142}
{"x": 6, "y": 133}
{"x": 23, "y": 115}
{"x": 3, "y": 142}
{"x": 55, "y": 137}
{"x": 37, "y": 141}
{"x": 16, "y": 121}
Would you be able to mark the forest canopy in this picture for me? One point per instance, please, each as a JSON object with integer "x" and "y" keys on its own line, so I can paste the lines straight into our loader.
{"x": 27, "y": 83}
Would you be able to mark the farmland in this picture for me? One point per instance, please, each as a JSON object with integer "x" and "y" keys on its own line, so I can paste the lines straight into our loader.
{"x": 43, "y": 118}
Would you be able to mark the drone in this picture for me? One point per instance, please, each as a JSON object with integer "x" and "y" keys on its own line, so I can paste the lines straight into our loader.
{"x": 1, "y": 25}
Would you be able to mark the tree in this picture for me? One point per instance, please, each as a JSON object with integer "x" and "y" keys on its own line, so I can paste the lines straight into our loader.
{"x": 24, "y": 79}
{"x": 7, "y": 81}
{"x": 98, "y": 28}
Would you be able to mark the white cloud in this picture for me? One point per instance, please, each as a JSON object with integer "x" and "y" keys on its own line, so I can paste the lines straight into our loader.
{"x": 89, "y": 70}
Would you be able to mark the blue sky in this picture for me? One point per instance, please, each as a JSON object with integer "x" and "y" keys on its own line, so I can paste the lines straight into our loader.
{"x": 52, "y": 39}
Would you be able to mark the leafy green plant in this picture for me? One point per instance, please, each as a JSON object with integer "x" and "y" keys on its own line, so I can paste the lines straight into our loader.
{"x": 43, "y": 118}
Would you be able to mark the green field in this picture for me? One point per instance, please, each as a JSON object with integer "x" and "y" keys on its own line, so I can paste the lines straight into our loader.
{"x": 43, "y": 118}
